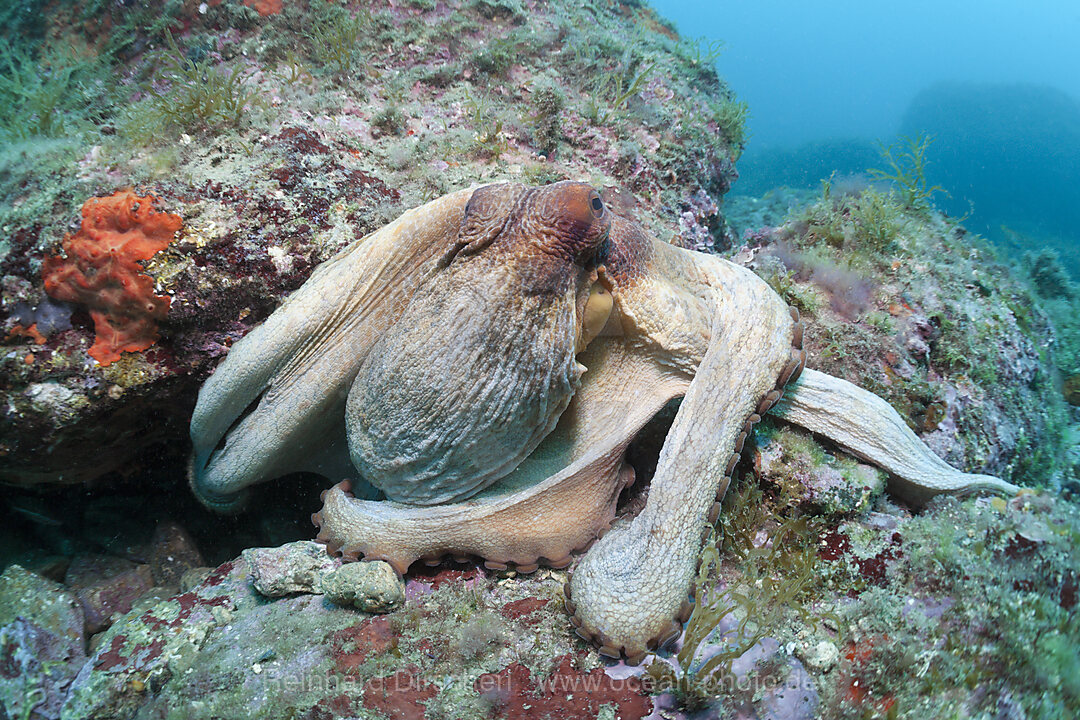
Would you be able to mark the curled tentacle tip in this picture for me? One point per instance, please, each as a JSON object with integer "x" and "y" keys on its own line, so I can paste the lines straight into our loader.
{"x": 222, "y": 503}
{"x": 344, "y": 486}
{"x": 673, "y": 631}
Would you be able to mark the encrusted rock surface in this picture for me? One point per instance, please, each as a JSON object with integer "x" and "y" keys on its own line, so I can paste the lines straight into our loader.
{"x": 36, "y": 670}
{"x": 905, "y": 612}
{"x": 173, "y": 553}
{"x": 446, "y": 96}
{"x": 106, "y": 586}
{"x": 821, "y": 657}
{"x": 369, "y": 586}
{"x": 467, "y": 644}
{"x": 42, "y": 602}
{"x": 296, "y": 567}
{"x": 832, "y": 485}
{"x": 42, "y": 644}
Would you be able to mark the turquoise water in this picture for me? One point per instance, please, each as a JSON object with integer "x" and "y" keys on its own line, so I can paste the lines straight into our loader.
{"x": 993, "y": 83}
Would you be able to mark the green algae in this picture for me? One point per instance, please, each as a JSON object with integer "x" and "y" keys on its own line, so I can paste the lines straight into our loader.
{"x": 548, "y": 102}
{"x": 202, "y": 95}
{"x": 867, "y": 224}
{"x": 337, "y": 39}
{"x": 783, "y": 281}
{"x": 906, "y": 160}
{"x": 613, "y": 90}
{"x": 854, "y": 264}
{"x": 34, "y": 95}
{"x": 824, "y": 484}
{"x": 772, "y": 550}
{"x": 1048, "y": 275}
{"x": 700, "y": 53}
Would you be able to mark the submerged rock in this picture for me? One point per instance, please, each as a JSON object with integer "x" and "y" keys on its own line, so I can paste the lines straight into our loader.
{"x": 145, "y": 649}
{"x": 43, "y": 603}
{"x": 296, "y": 567}
{"x": 106, "y": 586}
{"x": 821, "y": 657}
{"x": 36, "y": 669}
{"x": 831, "y": 485}
{"x": 42, "y": 644}
{"x": 368, "y": 586}
{"x": 224, "y": 651}
{"x": 173, "y": 554}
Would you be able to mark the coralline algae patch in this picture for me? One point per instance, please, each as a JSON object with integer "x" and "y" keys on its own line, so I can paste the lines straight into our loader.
{"x": 965, "y": 608}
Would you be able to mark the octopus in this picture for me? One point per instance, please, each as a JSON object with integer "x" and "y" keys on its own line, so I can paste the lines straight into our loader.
{"x": 475, "y": 371}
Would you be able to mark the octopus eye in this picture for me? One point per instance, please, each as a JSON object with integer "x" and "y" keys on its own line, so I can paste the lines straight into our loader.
{"x": 597, "y": 206}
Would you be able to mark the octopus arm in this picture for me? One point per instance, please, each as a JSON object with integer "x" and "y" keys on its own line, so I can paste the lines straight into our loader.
{"x": 557, "y": 501}
{"x": 866, "y": 426}
{"x": 629, "y": 593}
{"x": 276, "y": 404}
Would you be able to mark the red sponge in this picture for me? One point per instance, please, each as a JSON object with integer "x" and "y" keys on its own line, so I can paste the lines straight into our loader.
{"x": 101, "y": 270}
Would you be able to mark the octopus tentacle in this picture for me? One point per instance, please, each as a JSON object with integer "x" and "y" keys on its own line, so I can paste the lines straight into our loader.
{"x": 292, "y": 373}
{"x": 629, "y": 590}
{"x": 826, "y": 405}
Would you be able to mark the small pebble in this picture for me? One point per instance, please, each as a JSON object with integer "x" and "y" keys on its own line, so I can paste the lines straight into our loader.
{"x": 820, "y": 658}
{"x": 369, "y": 586}
{"x": 296, "y": 567}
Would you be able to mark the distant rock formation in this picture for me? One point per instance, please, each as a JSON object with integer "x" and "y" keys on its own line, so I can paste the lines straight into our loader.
{"x": 1008, "y": 153}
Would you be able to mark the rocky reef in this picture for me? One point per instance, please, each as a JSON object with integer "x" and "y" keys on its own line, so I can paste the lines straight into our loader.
{"x": 170, "y": 171}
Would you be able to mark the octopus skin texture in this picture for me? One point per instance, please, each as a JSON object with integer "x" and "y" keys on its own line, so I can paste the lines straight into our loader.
{"x": 476, "y": 370}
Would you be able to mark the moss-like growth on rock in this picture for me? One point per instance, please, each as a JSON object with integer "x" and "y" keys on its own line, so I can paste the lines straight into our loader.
{"x": 547, "y": 106}
{"x": 975, "y": 615}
